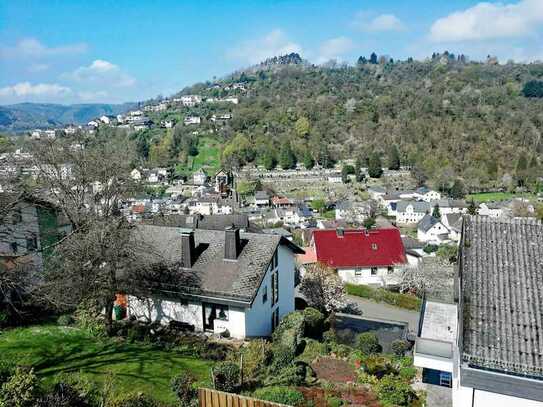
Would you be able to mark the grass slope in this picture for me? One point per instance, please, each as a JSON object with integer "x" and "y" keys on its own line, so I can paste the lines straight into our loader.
{"x": 497, "y": 196}
{"x": 54, "y": 351}
{"x": 208, "y": 157}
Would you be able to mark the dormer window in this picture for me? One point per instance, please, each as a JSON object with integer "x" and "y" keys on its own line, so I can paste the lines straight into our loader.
{"x": 374, "y": 246}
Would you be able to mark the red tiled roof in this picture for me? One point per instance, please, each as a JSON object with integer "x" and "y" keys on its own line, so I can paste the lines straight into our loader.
{"x": 277, "y": 200}
{"x": 309, "y": 257}
{"x": 359, "y": 248}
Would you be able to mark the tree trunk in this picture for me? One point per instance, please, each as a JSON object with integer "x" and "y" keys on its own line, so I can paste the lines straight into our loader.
{"x": 109, "y": 317}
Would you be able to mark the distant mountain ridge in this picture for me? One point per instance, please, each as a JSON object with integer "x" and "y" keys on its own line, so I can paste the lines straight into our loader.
{"x": 27, "y": 116}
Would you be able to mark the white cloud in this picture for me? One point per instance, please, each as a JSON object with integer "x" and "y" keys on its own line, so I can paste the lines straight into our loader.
{"x": 102, "y": 73}
{"x": 334, "y": 48}
{"x": 28, "y": 91}
{"x": 33, "y": 48}
{"x": 272, "y": 44}
{"x": 487, "y": 21}
{"x": 365, "y": 21}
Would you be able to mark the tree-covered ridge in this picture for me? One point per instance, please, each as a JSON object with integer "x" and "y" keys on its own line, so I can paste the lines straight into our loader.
{"x": 447, "y": 117}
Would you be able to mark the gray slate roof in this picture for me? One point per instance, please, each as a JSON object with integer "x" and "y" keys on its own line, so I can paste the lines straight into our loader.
{"x": 210, "y": 274}
{"x": 501, "y": 278}
{"x": 427, "y": 222}
{"x": 418, "y": 206}
{"x": 209, "y": 222}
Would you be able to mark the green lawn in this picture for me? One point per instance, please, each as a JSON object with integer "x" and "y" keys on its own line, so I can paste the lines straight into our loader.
{"x": 54, "y": 351}
{"x": 208, "y": 157}
{"x": 406, "y": 301}
{"x": 497, "y": 196}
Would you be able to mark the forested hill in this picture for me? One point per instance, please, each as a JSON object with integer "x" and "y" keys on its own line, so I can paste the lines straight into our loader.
{"x": 448, "y": 118}
{"x": 27, "y": 116}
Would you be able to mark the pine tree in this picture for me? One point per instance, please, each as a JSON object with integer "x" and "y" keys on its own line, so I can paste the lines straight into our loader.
{"x": 522, "y": 169}
{"x": 373, "y": 58}
{"x": 309, "y": 162}
{"x": 436, "y": 213}
{"x": 472, "y": 208}
{"x": 268, "y": 160}
{"x": 287, "y": 159}
{"x": 393, "y": 158}
{"x": 375, "y": 167}
{"x": 458, "y": 190}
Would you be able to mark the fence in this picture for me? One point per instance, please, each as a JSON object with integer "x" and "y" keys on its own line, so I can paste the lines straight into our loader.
{"x": 214, "y": 398}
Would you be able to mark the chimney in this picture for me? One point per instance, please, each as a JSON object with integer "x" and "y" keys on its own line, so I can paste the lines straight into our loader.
{"x": 340, "y": 232}
{"x": 187, "y": 247}
{"x": 232, "y": 244}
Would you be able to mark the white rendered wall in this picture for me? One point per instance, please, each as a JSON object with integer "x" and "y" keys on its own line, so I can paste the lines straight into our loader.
{"x": 364, "y": 277}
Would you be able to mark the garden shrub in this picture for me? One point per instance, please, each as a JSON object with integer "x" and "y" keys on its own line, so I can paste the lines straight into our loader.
{"x": 334, "y": 401}
{"x": 401, "y": 300}
{"x": 294, "y": 324}
{"x": 63, "y": 395}
{"x": 134, "y": 400}
{"x": 226, "y": 376}
{"x": 21, "y": 389}
{"x": 282, "y": 357}
{"x": 280, "y": 394}
{"x": 392, "y": 391}
{"x": 408, "y": 373}
{"x": 399, "y": 347}
{"x": 295, "y": 374}
{"x": 341, "y": 351}
{"x": 329, "y": 336}
{"x": 345, "y": 336}
{"x": 183, "y": 387}
{"x": 89, "y": 318}
{"x": 377, "y": 365}
{"x": 312, "y": 350}
{"x": 368, "y": 343}
{"x": 256, "y": 356}
{"x": 6, "y": 370}
{"x": 65, "y": 320}
{"x": 314, "y": 323}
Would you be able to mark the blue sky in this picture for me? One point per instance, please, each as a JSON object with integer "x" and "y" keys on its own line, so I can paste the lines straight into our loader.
{"x": 116, "y": 51}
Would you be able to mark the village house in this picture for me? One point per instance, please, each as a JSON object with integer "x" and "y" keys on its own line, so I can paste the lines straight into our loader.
{"x": 376, "y": 192}
{"x": 427, "y": 195}
{"x": 411, "y": 212}
{"x": 192, "y": 120}
{"x": 487, "y": 345}
{"x": 199, "y": 177}
{"x": 262, "y": 199}
{"x": 228, "y": 282}
{"x": 453, "y": 222}
{"x": 361, "y": 256}
{"x": 209, "y": 222}
{"x": 352, "y": 211}
{"x": 492, "y": 209}
{"x": 223, "y": 182}
{"x": 431, "y": 230}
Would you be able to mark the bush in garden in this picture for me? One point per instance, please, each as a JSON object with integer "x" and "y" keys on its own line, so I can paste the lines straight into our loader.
{"x": 368, "y": 343}
{"x": 330, "y": 336}
{"x": 399, "y": 347}
{"x": 408, "y": 373}
{"x": 226, "y": 376}
{"x": 334, "y": 401}
{"x": 280, "y": 394}
{"x": 312, "y": 350}
{"x": 134, "y": 400}
{"x": 88, "y": 317}
{"x": 63, "y": 395}
{"x": 295, "y": 374}
{"x": 393, "y": 391}
{"x": 314, "y": 323}
{"x": 6, "y": 370}
{"x": 377, "y": 365}
{"x": 65, "y": 320}
{"x": 86, "y": 389}
{"x": 294, "y": 323}
{"x": 282, "y": 357}
{"x": 183, "y": 387}
{"x": 20, "y": 390}
{"x": 256, "y": 356}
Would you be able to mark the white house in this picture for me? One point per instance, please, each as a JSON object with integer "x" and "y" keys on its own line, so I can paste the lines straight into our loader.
{"x": 354, "y": 212}
{"x": 135, "y": 174}
{"x": 192, "y": 120}
{"x": 487, "y": 345}
{"x": 410, "y": 212}
{"x": 453, "y": 222}
{"x": 491, "y": 209}
{"x": 432, "y": 230}
{"x": 105, "y": 119}
{"x": 262, "y": 199}
{"x": 361, "y": 256}
{"x": 199, "y": 177}
{"x": 242, "y": 283}
{"x": 427, "y": 195}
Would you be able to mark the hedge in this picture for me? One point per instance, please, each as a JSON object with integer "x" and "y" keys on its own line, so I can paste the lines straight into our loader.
{"x": 406, "y": 301}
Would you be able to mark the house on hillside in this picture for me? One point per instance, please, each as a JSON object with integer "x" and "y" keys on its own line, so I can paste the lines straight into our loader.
{"x": 361, "y": 256}
{"x": 432, "y": 230}
{"x": 411, "y": 212}
{"x": 453, "y": 222}
{"x": 199, "y": 177}
{"x": 262, "y": 199}
{"x": 492, "y": 209}
{"x": 225, "y": 281}
{"x": 427, "y": 195}
{"x": 209, "y": 222}
{"x": 487, "y": 345}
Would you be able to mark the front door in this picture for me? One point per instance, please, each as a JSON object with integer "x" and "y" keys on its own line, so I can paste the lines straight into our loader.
{"x": 209, "y": 313}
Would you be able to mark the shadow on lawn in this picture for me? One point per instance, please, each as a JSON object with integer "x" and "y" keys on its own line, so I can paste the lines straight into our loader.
{"x": 69, "y": 354}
